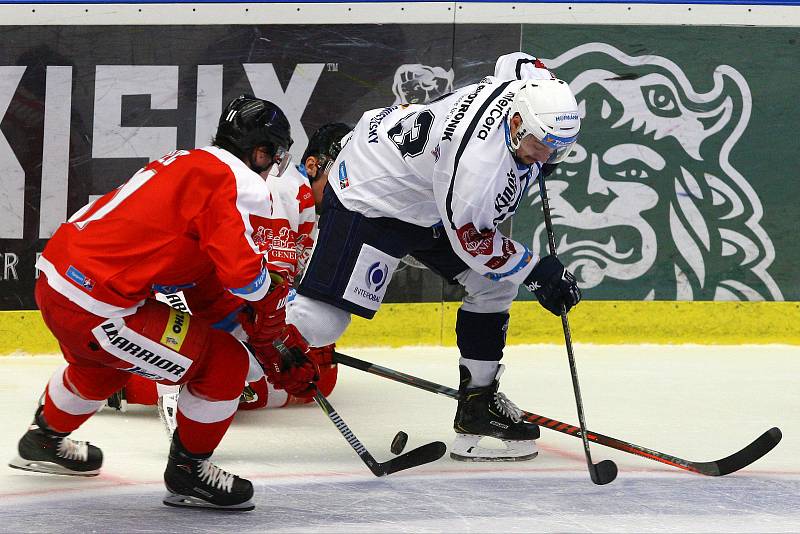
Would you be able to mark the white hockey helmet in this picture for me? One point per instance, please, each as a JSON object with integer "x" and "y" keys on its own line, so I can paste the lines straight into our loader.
{"x": 549, "y": 112}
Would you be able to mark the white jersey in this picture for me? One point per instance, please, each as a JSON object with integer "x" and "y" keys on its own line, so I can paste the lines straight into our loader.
{"x": 445, "y": 163}
{"x": 521, "y": 66}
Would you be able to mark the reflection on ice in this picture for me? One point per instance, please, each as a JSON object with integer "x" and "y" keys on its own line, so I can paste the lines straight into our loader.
{"x": 699, "y": 403}
{"x": 450, "y": 502}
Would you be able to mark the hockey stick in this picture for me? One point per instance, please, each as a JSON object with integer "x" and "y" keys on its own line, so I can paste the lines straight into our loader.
{"x": 421, "y": 455}
{"x": 606, "y": 470}
{"x": 736, "y": 461}
{"x": 427, "y": 453}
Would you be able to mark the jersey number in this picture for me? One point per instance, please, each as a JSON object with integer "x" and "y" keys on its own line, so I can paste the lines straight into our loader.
{"x": 124, "y": 191}
{"x": 411, "y": 143}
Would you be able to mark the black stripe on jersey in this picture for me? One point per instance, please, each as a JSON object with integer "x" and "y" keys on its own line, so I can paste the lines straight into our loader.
{"x": 520, "y": 63}
{"x": 464, "y": 141}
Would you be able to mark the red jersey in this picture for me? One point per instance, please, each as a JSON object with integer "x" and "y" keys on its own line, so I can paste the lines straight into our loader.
{"x": 177, "y": 220}
{"x": 293, "y": 220}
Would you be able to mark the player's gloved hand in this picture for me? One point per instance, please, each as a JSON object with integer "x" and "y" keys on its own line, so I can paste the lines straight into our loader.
{"x": 263, "y": 320}
{"x": 553, "y": 285}
{"x": 287, "y": 364}
{"x": 322, "y": 355}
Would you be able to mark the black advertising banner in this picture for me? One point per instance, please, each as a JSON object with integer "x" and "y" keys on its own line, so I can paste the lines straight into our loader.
{"x": 84, "y": 107}
{"x": 681, "y": 188}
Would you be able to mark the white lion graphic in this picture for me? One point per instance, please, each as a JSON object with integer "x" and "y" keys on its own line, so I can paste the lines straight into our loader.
{"x": 650, "y": 194}
{"x": 419, "y": 84}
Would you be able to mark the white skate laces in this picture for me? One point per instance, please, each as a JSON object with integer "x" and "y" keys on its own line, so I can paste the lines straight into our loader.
{"x": 506, "y": 407}
{"x": 216, "y": 477}
{"x": 466, "y": 447}
{"x": 73, "y": 450}
{"x": 503, "y": 403}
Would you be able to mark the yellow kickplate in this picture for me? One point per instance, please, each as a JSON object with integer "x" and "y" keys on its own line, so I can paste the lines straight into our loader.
{"x": 602, "y": 322}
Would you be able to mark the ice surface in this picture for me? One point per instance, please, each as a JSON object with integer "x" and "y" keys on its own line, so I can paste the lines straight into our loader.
{"x": 698, "y": 403}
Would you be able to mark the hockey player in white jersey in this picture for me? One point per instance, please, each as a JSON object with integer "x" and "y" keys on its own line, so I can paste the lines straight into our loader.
{"x": 435, "y": 181}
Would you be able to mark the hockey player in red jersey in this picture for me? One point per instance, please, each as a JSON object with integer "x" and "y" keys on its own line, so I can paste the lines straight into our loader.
{"x": 294, "y": 195}
{"x": 176, "y": 221}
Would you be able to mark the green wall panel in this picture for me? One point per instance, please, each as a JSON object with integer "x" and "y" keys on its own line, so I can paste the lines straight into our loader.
{"x": 684, "y": 186}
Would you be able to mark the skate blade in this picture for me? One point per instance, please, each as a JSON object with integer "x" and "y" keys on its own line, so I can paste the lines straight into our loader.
{"x": 49, "y": 468}
{"x": 186, "y": 501}
{"x": 465, "y": 448}
{"x": 487, "y": 458}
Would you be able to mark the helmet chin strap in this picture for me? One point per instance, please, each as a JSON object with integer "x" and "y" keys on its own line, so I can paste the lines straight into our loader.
{"x": 509, "y": 142}
{"x": 511, "y": 147}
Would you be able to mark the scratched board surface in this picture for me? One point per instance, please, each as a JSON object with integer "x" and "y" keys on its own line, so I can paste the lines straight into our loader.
{"x": 84, "y": 107}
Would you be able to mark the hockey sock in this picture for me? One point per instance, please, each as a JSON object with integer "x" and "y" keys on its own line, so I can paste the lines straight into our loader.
{"x": 201, "y": 423}
{"x": 140, "y": 390}
{"x": 482, "y": 372}
{"x": 481, "y": 338}
{"x": 64, "y": 409}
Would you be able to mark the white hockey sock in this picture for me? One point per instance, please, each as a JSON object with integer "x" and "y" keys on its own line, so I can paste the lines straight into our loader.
{"x": 482, "y": 372}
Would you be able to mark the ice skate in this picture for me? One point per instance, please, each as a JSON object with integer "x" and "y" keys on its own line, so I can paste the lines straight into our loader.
{"x": 117, "y": 401}
{"x": 194, "y": 482}
{"x": 485, "y": 412}
{"x": 248, "y": 396}
{"x": 45, "y": 451}
{"x": 167, "y": 405}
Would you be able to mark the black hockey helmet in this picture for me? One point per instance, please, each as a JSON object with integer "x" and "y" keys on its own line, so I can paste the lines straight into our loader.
{"x": 248, "y": 122}
{"x": 325, "y": 144}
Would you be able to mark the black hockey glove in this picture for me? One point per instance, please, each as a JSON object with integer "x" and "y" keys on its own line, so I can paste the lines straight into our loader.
{"x": 553, "y": 285}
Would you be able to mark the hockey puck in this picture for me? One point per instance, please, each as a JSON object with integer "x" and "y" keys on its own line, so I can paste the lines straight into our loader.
{"x": 399, "y": 442}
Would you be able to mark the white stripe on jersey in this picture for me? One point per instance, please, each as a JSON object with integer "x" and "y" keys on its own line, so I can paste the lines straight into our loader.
{"x": 252, "y": 193}
{"x": 79, "y": 297}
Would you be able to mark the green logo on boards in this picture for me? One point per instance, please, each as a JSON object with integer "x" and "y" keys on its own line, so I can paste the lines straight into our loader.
{"x": 649, "y": 204}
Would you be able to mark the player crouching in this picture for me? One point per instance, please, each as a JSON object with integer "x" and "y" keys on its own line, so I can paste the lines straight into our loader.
{"x": 178, "y": 219}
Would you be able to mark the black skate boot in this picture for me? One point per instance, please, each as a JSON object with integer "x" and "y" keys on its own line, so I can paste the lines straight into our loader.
{"x": 45, "y": 451}
{"x": 194, "y": 482}
{"x": 485, "y": 412}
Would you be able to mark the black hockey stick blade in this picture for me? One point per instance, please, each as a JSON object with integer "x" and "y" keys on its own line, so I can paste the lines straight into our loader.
{"x": 421, "y": 455}
{"x": 603, "y": 472}
{"x": 758, "y": 448}
{"x": 430, "y": 452}
{"x": 736, "y": 461}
